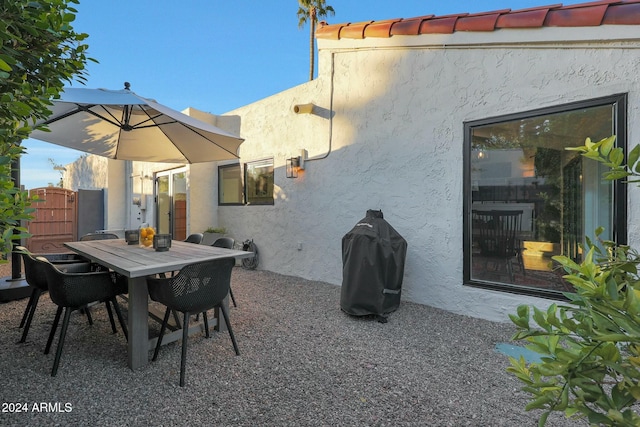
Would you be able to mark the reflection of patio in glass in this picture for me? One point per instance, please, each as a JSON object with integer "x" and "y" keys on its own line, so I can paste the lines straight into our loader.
{"x": 521, "y": 164}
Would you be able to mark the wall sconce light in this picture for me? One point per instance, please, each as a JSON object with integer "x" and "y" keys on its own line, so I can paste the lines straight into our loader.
{"x": 303, "y": 108}
{"x": 293, "y": 166}
{"x": 161, "y": 242}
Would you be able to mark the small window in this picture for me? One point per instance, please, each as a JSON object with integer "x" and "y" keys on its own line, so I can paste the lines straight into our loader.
{"x": 528, "y": 198}
{"x": 230, "y": 185}
{"x": 259, "y": 182}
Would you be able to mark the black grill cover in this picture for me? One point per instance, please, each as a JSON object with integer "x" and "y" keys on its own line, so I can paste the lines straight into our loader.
{"x": 373, "y": 255}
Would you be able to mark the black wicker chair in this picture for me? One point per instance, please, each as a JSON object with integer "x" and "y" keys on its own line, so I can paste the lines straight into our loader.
{"x": 194, "y": 238}
{"x": 73, "y": 291}
{"x": 35, "y": 276}
{"x": 98, "y": 236}
{"x": 227, "y": 243}
{"x": 196, "y": 288}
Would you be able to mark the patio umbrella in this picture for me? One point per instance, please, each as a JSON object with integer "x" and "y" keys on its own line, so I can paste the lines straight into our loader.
{"x": 122, "y": 125}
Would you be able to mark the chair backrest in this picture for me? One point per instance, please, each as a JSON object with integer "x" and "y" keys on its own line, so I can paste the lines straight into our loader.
{"x": 34, "y": 271}
{"x": 224, "y": 242}
{"x": 98, "y": 236}
{"x": 76, "y": 289}
{"x": 197, "y": 287}
{"x": 194, "y": 238}
{"x": 498, "y": 232}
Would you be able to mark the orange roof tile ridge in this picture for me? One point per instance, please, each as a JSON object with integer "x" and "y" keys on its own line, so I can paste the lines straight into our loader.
{"x": 594, "y": 13}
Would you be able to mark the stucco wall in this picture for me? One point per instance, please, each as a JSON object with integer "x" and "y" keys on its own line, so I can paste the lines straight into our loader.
{"x": 394, "y": 118}
{"x": 387, "y": 133}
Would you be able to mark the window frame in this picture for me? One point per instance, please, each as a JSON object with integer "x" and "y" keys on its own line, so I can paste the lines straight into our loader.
{"x": 266, "y": 201}
{"x": 240, "y": 171}
{"x": 619, "y": 231}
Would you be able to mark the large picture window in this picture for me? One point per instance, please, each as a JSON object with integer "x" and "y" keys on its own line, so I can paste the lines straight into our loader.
{"x": 259, "y": 182}
{"x": 528, "y": 198}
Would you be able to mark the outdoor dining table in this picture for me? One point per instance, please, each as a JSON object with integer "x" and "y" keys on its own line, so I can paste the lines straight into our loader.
{"x": 136, "y": 263}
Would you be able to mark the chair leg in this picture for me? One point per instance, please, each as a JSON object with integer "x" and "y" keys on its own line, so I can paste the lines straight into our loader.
{"x": 510, "y": 270}
{"x": 110, "y": 313}
{"x": 63, "y": 333}
{"x": 232, "y": 298}
{"x": 206, "y": 324}
{"x": 53, "y": 330}
{"x": 176, "y": 319}
{"x": 87, "y": 310}
{"x": 28, "y": 307}
{"x": 123, "y": 324}
{"x": 185, "y": 336}
{"x": 162, "y": 329}
{"x": 33, "y": 303}
{"x": 233, "y": 338}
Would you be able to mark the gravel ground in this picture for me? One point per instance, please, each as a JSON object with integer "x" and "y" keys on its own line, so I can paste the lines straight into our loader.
{"x": 303, "y": 362}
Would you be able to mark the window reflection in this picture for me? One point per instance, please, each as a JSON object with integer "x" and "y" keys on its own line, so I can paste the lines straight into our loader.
{"x": 522, "y": 166}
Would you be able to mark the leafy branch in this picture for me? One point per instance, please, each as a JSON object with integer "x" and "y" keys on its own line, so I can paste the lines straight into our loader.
{"x": 590, "y": 346}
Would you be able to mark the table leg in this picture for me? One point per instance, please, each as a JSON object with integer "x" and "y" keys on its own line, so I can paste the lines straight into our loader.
{"x": 221, "y": 325}
{"x": 138, "y": 345}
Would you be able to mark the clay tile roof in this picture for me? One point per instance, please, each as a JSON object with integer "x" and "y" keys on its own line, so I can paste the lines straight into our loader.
{"x": 603, "y": 12}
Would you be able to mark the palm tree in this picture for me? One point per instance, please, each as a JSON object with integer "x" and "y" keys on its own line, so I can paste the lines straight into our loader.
{"x": 312, "y": 10}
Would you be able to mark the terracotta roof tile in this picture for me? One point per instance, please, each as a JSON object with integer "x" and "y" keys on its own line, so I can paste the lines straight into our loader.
{"x": 380, "y": 28}
{"x": 525, "y": 18}
{"x": 603, "y": 12}
{"x": 587, "y": 16}
{"x": 480, "y": 21}
{"x": 626, "y": 14}
{"x": 440, "y": 24}
{"x": 408, "y": 27}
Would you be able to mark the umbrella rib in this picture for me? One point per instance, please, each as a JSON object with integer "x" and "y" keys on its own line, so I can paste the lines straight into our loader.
{"x": 87, "y": 109}
{"x": 202, "y": 136}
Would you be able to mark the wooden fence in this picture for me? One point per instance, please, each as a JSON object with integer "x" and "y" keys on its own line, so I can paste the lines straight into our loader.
{"x": 54, "y": 221}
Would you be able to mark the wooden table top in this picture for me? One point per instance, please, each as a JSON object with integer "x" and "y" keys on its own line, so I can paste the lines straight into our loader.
{"x": 136, "y": 261}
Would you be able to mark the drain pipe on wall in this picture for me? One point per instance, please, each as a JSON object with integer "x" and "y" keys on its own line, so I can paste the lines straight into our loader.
{"x": 310, "y": 109}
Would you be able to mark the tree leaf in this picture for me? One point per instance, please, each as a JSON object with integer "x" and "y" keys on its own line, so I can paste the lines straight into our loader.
{"x": 4, "y": 66}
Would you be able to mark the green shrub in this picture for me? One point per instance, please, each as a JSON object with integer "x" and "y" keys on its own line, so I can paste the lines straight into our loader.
{"x": 590, "y": 345}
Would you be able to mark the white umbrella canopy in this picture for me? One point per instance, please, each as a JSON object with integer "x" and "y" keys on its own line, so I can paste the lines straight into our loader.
{"x": 122, "y": 125}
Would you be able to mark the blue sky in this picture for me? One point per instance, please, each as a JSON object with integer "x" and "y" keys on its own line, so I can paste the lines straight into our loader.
{"x": 213, "y": 55}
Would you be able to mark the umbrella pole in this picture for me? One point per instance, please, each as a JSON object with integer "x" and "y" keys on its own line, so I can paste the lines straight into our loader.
{"x": 16, "y": 266}
{"x": 14, "y": 287}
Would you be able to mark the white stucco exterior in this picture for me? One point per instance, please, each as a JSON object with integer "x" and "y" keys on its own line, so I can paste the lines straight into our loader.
{"x": 387, "y": 133}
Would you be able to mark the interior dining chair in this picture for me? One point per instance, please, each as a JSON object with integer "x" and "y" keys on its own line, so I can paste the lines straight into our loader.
{"x": 499, "y": 237}
{"x": 73, "y": 291}
{"x": 194, "y": 238}
{"x": 198, "y": 287}
{"x": 35, "y": 277}
{"x": 227, "y": 243}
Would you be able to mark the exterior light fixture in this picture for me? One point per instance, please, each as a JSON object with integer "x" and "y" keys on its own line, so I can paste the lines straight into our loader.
{"x": 293, "y": 166}
{"x": 161, "y": 242}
